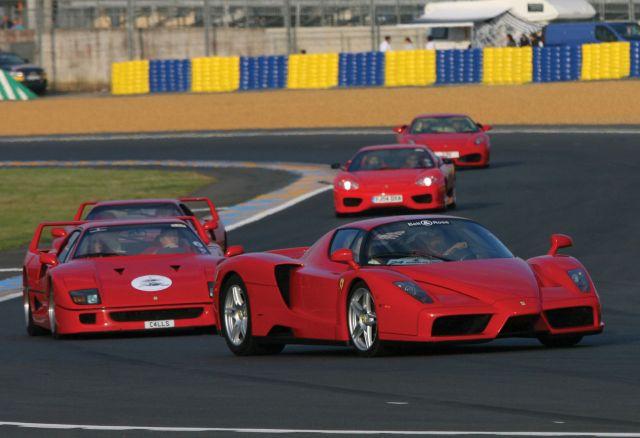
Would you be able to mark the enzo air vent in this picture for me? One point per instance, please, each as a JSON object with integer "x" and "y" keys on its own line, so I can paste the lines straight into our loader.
{"x": 460, "y": 325}
{"x": 570, "y": 317}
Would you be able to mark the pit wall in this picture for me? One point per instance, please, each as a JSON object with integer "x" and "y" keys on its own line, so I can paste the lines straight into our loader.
{"x": 491, "y": 66}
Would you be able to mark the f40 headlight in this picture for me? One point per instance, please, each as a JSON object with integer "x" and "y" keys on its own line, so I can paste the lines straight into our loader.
{"x": 580, "y": 279}
{"x": 85, "y": 296}
{"x": 415, "y": 291}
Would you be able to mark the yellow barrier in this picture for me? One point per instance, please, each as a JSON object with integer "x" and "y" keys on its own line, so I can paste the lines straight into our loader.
{"x": 507, "y": 65}
{"x": 606, "y": 61}
{"x": 313, "y": 71}
{"x": 410, "y": 67}
{"x": 215, "y": 74}
{"x": 131, "y": 77}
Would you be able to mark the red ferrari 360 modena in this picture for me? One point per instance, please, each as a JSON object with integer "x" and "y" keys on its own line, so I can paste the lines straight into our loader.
{"x": 409, "y": 176}
{"x": 408, "y": 279}
{"x": 155, "y": 208}
{"x": 453, "y": 136}
{"x": 102, "y": 276}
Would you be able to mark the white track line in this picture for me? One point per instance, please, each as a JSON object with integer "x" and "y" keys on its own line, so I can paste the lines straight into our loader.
{"x": 321, "y": 431}
{"x": 10, "y": 296}
{"x": 10, "y": 270}
{"x": 304, "y": 133}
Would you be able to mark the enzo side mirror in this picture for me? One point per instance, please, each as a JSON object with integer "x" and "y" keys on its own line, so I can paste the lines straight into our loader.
{"x": 344, "y": 256}
{"x": 336, "y": 166}
{"x": 48, "y": 259}
{"x": 58, "y": 233}
{"x": 233, "y": 251}
{"x": 559, "y": 241}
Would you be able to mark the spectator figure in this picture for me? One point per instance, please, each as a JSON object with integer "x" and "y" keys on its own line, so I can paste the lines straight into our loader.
{"x": 536, "y": 39}
{"x": 524, "y": 41}
{"x": 303, "y": 52}
{"x": 431, "y": 45}
{"x": 385, "y": 46}
{"x": 408, "y": 44}
{"x": 510, "y": 41}
{"x": 17, "y": 25}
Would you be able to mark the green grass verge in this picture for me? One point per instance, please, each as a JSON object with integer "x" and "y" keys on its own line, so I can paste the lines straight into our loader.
{"x": 30, "y": 196}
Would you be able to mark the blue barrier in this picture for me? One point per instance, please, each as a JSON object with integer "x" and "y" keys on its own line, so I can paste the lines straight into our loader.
{"x": 556, "y": 64}
{"x": 169, "y": 75}
{"x": 263, "y": 72}
{"x": 459, "y": 66}
{"x": 635, "y": 59}
{"x": 364, "y": 69}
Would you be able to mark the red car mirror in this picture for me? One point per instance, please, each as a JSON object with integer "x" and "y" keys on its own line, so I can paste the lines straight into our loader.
{"x": 344, "y": 256}
{"x": 399, "y": 129}
{"x": 559, "y": 241}
{"x": 48, "y": 259}
{"x": 233, "y": 251}
{"x": 58, "y": 233}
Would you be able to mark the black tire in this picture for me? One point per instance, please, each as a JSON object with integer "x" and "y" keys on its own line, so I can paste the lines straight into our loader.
{"x": 363, "y": 348}
{"x": 560, "y": 341}
{"x": 32, "y": 328}
{"x": 245, "y": 344}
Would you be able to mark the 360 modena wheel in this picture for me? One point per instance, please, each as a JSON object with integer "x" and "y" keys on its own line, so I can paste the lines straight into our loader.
{"x": 362, "y": 322}
{"x": 559, "y": 341}
{"x": 236, "y": 321}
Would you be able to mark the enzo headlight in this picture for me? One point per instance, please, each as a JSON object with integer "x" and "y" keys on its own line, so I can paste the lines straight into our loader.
{"x": 580, "y": 279}
{"x": 414, "y": 290}
{"x": 347, "y": 184}
{"x": 85, "y": 296}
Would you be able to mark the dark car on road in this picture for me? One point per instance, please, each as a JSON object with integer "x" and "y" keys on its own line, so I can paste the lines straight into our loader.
{"x": 32, "y": 76}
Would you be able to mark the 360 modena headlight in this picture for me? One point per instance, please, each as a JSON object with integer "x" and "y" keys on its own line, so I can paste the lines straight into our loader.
{"x": 414, "y": 290}
{"x": 426, "y": 181}
{"x": 480, "y": 140}
{"x": 347, "y": 184}
{"x": 85, "y": 296}
{"x": 580, "y": 279}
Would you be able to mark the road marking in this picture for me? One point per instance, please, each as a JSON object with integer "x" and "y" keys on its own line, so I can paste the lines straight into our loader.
{"x": 322, "y": 431}
{"x": 10, "y": 270}
{"x": 308, "y": 132}
{"x": 10, "y": 296}
{"x": 397, "y": 403}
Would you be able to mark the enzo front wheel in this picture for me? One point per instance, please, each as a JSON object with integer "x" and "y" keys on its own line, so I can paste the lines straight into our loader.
{"x": 363, "y": 322}
{"x": 236, "y": 321}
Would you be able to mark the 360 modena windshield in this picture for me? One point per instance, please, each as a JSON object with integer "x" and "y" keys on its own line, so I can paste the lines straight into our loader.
{"x": 389, "y": 159}
{"x": 431, "y": 241}
{"x": 128, "y": 240}
{"x": 444, "y": 125}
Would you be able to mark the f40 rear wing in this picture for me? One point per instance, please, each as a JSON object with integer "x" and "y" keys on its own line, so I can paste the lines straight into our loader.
{"x": 207, "y": 201}
{"x": 59, "y": 230}
{"x": 81, "y": 209}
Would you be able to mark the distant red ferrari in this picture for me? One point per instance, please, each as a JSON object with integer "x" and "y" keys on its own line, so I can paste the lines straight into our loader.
{"x": 452, "y": 136}
{"x": 409, "y": 176}
{"x": 403, "y": 279}
{"x": 102, "y": 276}
{"x": 156, "y": 208}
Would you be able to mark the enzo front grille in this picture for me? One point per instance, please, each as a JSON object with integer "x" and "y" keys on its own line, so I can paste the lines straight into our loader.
{"x": 156, "y": 315}
{"x": 460, "y": 325}
{"x": 570, "y": 317}
{"x": 520, "y": 325}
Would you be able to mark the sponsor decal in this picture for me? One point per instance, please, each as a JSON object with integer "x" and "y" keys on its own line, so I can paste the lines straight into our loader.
{"x": 428, "y": 223}
{"x": 151, "y": 283}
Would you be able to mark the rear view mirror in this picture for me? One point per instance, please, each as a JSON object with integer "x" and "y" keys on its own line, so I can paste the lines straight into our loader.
{"x": 559, "y": 241}
{"x": 58, "y": 233}
{"x": 344, "y": 256}
{"x": 48, "y": 259}
{"x": 233, "y": 251}
{"x": 399, "y": 129}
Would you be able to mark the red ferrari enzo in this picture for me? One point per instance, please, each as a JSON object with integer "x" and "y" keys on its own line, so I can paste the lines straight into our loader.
{"x": 154, "y": 208}
{"x": 102, "y": 276}
{"x": 407, "y": 279}
{"x": 452, "y": 136}
{"x": 394, "y": 176}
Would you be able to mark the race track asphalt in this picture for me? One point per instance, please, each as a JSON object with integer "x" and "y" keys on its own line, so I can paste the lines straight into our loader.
{"x": 582, "y": 185}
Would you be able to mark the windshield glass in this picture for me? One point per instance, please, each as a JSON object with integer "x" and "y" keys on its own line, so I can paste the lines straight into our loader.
{"x": 444, "y": 125}
{"x": 10, "y": 59}
{"x": 134, "y": 211}
{"x": 627, "y": 30}
{"x": 127, "y": 240}
{"x": 431, "y": 241}
{"x": 387, "y": 159}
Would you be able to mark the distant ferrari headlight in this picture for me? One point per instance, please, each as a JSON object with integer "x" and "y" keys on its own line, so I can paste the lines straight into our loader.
{"x": 579, "y": 278}
{"x": 211, "y": 286}
{"x": 425, "y": 181}
{"x": 85, "y": 296}
{"x": 479, "y": 140}
{"x": 17, "y": 75}
{"x": 414, "y": 290}
{"x": 347, "y": 184}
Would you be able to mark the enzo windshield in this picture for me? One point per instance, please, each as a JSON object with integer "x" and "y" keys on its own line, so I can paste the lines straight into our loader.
{"x": 444, "y": 125}
{"x": 389, "y": 159}
{"x": 128, "y": 240}
{"x": 134, "y": 211}
{"x": 431, "y": 241}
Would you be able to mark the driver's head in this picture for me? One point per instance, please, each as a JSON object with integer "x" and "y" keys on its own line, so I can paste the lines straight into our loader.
{"x": 169, "y": 238}
{"x": 412, "y": 161}
{"x": 373, "y": 161}
{"x": 434, "y": 239}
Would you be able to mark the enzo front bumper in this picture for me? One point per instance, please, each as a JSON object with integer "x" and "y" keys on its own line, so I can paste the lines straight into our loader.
{"x": 72, "y": 321}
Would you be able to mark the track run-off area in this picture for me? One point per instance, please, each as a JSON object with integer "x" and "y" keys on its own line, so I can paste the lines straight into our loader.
{"x": 580, "y": 181}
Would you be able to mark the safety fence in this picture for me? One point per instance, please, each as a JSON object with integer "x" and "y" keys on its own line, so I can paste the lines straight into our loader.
{"x": 491, "y": 66}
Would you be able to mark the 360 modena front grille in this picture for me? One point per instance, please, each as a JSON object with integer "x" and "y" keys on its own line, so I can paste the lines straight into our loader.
{"x": 352, "y": 202}
{"x": 423, "y": 199}
{"x": 460, "y": 325}
{"x": 156, "y": 314}
{"x": 570, "y": 317}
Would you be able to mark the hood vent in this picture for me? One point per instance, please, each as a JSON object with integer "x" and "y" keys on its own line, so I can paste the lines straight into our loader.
{"x": 119, "y": 270}
{"x": 175, "y": 267}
